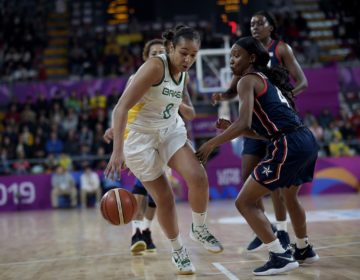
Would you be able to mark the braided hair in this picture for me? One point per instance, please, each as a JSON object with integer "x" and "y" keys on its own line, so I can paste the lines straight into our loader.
{"x": 277, "y": 75}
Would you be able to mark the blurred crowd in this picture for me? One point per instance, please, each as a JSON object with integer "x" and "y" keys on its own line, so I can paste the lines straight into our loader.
{"x": 22, "y": 40}
{"x": 40, "y": 134}
{"x": 96, "y": 49}
{"x": 337, "y": 135}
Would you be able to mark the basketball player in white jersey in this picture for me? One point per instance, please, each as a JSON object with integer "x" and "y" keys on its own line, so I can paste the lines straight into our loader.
{"x": 149, "y": 136}
{"x": 141, "y": 239}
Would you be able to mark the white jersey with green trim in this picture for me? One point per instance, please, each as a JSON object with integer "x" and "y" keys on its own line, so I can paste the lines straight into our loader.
{"x": 159, "y": 107}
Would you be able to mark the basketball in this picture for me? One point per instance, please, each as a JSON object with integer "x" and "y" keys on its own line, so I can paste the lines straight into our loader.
{"x": 118, "y": 206}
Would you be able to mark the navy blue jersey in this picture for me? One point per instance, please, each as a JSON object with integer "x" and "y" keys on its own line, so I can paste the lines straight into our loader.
{"x": 275, "y": 58}
{"x": 272, "y": 113}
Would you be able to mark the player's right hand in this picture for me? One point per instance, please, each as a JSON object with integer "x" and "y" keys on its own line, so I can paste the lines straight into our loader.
{"x": 216, "y": 98}
{"x": 108, "y": 135}
{"x": 114, "y": 166}
{"x": 223, "y": 124}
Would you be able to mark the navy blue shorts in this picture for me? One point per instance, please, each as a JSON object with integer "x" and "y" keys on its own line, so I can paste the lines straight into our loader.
{"x": 254, "y": 147}
{"x": 140, "y": 189}
{"x": 290, "y": 160}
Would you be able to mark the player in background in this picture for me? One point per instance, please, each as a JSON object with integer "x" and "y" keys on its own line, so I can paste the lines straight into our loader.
{"x": 263, "y": 27}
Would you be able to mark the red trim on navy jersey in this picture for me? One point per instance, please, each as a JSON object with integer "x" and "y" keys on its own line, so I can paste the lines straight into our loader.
{"x": 263, "y": 78}
{"x": 265, "y": 88}
{"x": 264, "y": 118}
{"x": 277, "y": 54}
{"x": 264, "y": 124}
{"x": 270, "y": 44}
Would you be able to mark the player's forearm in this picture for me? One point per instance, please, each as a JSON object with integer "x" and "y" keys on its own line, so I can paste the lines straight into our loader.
{"x": 231, "y": 92}
{"x": 252, "y": 134}
{"x": 187, "y": 111}
{"x": 112, "y": 119}
{"x": 228, "y": 94}
{"x": 119, "y": 124}
{"x": 300, "y": 87}
{"x": 236, "y": 129}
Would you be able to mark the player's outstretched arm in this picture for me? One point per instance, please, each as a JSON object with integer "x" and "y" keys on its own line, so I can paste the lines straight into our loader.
{"x": 230, "y": 93}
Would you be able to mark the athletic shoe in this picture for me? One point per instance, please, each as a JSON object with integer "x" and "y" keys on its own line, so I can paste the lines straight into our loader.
{"x": 256, "y": 244}
{"x": 284, "y": 238}
{"x": 181, "y": 260}
{"x": 305, "y": 255}
{"x": 277, "y": 263}
{"x": 201, "y": 234}
{"x": 150, "y": 246}
{"x": 137, "y": 243}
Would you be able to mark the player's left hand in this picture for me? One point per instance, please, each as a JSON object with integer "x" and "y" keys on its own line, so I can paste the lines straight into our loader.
{"x": 204, "y": 151}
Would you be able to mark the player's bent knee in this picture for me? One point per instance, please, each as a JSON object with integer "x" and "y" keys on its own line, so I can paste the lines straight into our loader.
{"x": 240, "y": 205}
{"x": 198, "y": 179}
{"x": 165, "y": 198}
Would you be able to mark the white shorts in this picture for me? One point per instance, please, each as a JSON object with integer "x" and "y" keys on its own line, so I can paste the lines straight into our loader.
{"x": 147, "y": 153}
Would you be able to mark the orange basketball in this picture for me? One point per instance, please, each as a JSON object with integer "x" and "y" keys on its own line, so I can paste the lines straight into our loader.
{"x": 118, "y": 206}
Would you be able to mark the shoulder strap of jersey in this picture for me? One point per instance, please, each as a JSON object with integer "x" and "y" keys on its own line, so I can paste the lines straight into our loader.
{"x": 276, "y": 50}
{"x": 263, "y": 78}
{"x": 163, "y": 59}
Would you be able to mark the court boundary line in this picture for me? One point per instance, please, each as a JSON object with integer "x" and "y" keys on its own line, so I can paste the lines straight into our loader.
{"x": 232, "y": 276}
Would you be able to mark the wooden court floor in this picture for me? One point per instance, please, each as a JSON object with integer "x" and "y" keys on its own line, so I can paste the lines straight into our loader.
{"x": 79, "y": 244}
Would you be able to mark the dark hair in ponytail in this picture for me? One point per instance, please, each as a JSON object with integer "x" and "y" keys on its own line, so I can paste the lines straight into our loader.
{"x": 180, "y": 31}
{"x": 277, "y": 75}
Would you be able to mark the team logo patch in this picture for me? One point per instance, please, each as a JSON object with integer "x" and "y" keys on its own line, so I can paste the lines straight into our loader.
{"x": 266, "y": 171}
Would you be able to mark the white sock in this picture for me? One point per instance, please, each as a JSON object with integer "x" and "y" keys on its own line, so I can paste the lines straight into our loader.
{"x": 198, "y": 218}
{"x": 176, "y": 243}
{"x": 146, "y": 223}
{"x": 301, "y": 243}
{"x": 281, "y": 225}
{"x": 136, "y": 224}
{"x": 275, "y": 246}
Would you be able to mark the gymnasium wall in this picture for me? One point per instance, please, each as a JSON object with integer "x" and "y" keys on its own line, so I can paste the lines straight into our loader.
{"x": 323, "y": 90}
{"x": 332, "y": 175}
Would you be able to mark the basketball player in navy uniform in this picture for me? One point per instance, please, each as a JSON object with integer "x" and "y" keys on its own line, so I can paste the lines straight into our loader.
{"x": 263, "y": 28}
{"x": 266, "y": 112}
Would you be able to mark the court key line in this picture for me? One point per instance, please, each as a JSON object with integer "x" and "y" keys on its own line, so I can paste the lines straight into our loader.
{"x": 225, "y": 271}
